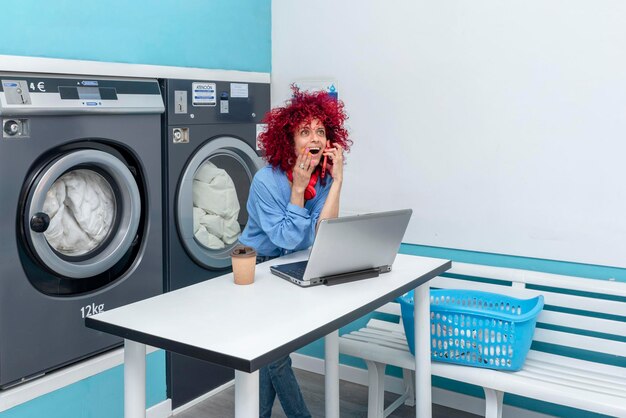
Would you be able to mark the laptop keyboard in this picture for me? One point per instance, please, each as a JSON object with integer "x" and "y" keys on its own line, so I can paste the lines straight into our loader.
{"x": 294, "y": 269}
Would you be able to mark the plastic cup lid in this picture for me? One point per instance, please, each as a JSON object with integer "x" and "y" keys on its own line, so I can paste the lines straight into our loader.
{"x": 243, "y": 251}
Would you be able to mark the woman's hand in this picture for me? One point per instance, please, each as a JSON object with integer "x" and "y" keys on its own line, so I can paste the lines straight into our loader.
{"x": 336, "y": 156}
{"x": 331, "y": 206}
{"x": 302, "y": 171}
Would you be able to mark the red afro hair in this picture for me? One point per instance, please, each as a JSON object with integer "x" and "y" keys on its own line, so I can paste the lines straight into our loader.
{"x": 282, "y": 122}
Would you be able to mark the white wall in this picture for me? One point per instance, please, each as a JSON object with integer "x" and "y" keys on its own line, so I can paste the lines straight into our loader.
{"x": 501, "y": 123}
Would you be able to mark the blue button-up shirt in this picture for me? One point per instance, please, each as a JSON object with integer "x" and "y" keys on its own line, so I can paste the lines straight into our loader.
{"x": 275, "y": 225}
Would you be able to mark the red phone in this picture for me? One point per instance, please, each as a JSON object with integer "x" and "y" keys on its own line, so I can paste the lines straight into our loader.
{"x": 324, "y": 162}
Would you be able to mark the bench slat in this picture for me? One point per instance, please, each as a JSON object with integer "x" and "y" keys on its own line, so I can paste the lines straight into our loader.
{"x": 449, "y": 283}
{"x": 576, "y": 378}
{"x": 607, "y": 287}
{"x": 550, "y": 298}
{"x": 581, "y": 322}
{"x": 574, "y": 363}
{"x": 391, "y": 308}
{"x": 375, "y": 352}
{"x": 564, "y": 380}
{"x": 384, "y": 333}
{"x": 584, "y": 342}
{"x": 364, "y": 337}
{"x": 381, "y": 344}
{"x": 385, "y": 325}
{"x": 380, "y": 338}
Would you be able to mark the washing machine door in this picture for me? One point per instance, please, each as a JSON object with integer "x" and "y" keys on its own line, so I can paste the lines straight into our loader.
{"x": 211, "y": 202}
{"x": 82, "y": 213}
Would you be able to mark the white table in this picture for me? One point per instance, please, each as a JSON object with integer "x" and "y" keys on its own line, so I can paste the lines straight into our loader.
{"x": 247, "y": 327}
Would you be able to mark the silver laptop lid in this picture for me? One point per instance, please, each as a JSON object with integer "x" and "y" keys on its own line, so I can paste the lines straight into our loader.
{"x": 353, "y": 243}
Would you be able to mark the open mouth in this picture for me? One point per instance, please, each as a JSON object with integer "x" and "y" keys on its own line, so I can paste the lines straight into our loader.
{"x": 314, "y": 151}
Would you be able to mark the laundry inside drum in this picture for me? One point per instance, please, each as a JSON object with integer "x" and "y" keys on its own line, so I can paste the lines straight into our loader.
{"x": 82, "y": 208}
{"x": 216, "y": 207}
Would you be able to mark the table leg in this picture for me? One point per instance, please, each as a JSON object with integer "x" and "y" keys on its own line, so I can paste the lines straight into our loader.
{"x": 331, "y": 366}
{"x": 134, "y": 379}
{"x": 423, "y": 398}
{"x": 246, "y": 394}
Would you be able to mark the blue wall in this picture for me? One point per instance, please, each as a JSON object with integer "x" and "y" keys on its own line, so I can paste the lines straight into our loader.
{"x": 100, "y": 396}
{"x": 316, "y": 349}
{"x": 215, "y": 34}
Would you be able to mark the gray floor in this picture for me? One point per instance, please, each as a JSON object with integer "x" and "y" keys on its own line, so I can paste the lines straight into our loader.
{"x": 353, "y": 402}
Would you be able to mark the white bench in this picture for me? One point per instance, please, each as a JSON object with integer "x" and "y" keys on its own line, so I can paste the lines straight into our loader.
{"x": 573, "y": 306}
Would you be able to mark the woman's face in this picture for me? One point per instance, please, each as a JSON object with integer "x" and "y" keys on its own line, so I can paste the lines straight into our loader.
{"x": 312, "y": 136}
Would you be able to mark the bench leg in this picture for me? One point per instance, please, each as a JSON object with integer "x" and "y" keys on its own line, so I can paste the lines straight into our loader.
{"x": 409, "y": 386}
{"x": 493, "y": 403}
{"x": 376, "y": 391}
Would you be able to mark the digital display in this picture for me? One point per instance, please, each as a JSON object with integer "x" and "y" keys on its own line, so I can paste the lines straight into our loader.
{"x": 108, "y": 93}
{"x": 68, "y": 93}
{"x": 88, "y": 93}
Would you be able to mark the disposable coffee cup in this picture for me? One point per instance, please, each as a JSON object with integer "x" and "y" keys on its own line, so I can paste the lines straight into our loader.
{"x": 244, "y": 263}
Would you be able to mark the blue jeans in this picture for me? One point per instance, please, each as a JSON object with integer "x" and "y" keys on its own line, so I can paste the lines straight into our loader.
{"x": 277, "y": 378}
{"x": 264, "y": 258}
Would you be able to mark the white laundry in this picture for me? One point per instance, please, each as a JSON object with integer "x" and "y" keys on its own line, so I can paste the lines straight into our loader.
{"x": 209, "y": 240}
{"x": 215, "y": 207}
{"x": 213, "y": 231}
{"x": 81, "y": 207}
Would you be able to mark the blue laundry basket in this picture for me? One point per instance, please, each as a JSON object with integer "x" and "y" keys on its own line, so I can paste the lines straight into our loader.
{"x": 476, "y": 328}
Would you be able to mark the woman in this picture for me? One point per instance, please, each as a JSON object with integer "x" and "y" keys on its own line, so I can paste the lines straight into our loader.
{"x": 301, "y": 185}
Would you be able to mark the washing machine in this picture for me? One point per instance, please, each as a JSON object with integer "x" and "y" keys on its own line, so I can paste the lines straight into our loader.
{"x": 210, "y": 131}
{"x": 80, "y": 213}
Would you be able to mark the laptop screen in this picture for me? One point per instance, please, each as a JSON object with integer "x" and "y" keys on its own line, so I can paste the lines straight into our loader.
{"x": 354, "y": 243}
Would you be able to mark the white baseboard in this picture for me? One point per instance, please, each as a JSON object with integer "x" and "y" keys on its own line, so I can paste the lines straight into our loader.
{"x": 442, "y": 397}
{"x": 65, "y": 376}
{"x": 160, "y": 410}
{"x": 202, "y": 398}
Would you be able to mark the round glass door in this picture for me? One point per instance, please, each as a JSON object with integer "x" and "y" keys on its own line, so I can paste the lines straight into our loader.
{"x": 82, "y": 208}
{"x": 213, "y": 192}
{"x": 82, "y": 213}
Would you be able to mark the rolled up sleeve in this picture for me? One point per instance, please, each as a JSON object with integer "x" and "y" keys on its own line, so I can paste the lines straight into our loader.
{"x": 286, "y": 226}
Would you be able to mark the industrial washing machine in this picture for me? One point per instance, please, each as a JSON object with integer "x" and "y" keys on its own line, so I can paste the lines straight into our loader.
{"x": 80, "y": 213}
{"x": 210, "y": 131}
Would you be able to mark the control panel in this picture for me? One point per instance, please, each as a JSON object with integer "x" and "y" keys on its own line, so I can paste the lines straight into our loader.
{"x": 29, "y": 94}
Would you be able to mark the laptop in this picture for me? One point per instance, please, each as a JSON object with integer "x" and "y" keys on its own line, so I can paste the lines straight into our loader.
{"x": 349, "y": 248}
